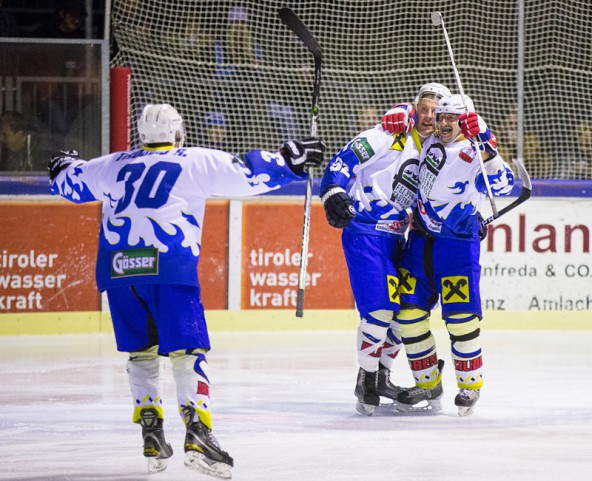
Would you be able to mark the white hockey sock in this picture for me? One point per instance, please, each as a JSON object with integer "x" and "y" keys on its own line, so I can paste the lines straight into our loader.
{"x": 372, "y": 333}
{"x": 193, "y": 385}
{"x": 391, "y": 346}
{"x": 144, "y": 374}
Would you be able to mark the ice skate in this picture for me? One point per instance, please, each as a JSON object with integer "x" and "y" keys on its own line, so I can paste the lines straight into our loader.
{"x": 156, "y": 449}
{"x": 386, "y": 389}
{"x": 203, "y": 453}
{"x": 418, "y": 399}
{"x": 366, "y": 393}
{"x": 466, "y": 400}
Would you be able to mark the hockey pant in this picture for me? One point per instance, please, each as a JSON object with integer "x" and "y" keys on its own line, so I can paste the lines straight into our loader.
{"x": 144, "y": 370}
{"x": 420, "y": 347}
{"x": 378, "y": 340}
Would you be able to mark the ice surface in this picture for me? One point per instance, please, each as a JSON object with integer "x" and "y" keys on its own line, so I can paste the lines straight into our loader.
{"x": 284, "y": 408}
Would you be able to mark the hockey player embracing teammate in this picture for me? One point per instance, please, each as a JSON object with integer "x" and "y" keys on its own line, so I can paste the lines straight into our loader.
{"x": 153, "y": 201}
{"x": 440, "y": 260}
{"x": 379, "y": 168}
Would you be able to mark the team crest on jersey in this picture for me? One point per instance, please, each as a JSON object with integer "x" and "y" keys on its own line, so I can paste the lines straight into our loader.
{"x": 362, "y": 149}
{"x": 455, "y": 289}
{"x": 406, "y": 282}
{"x": 399, "y": 142}
{"x": 405, "y": 184}
{"x": 466, "y": 154}
{"x": 393, "y": 289}
{"x": 134, "y": 262}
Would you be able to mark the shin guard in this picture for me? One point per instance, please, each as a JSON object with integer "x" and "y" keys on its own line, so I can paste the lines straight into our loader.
{"x": 193, "y": 384}
{"x": 144, "y": 374}
{"x": 420, "y": 347}
{"x": 372, "y": 332}
{"x": 466, "y": 350}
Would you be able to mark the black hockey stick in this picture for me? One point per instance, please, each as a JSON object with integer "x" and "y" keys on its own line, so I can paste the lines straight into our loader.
{"x": 523, "y": 197}
{"x": 291, "y": 20}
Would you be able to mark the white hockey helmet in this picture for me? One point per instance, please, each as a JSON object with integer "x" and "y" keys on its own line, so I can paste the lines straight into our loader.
{"x": 161, "y": 124}
{"x": 433, "y": 90}
{"x": 453, "y": 104}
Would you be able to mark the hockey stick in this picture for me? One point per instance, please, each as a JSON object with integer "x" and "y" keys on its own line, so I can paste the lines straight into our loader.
{"x": 523, "y": 197}
{"x": 438, "y": 20}
{"x": 291, "y": 20}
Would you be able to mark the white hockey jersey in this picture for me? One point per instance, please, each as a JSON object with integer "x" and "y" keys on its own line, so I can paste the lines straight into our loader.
{"x": 381, "y": 171}
{"x": 154, "y": 203}
{"x": 451, "y": 187}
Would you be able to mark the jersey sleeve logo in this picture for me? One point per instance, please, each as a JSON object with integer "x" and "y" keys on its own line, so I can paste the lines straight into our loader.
{"x": 362, "y": 150}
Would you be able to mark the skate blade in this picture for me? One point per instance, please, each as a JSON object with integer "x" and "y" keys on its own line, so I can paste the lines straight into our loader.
{"x": 365, "y": 409}
{"x": 432, "y": 406}
{"x": 465, "y": 410}
{"x": 198, "y": 462}
{"x": 156, "y": 465}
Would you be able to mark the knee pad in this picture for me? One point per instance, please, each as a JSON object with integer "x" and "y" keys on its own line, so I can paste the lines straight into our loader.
{"x": 462, "y": 327}
{"x": 413, "y": 323}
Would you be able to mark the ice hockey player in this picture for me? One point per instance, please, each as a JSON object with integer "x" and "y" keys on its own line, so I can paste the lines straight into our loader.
{"x": 440, "y": 260}
{"x": 382, "y": 170}
{"x": 153, "y": 209}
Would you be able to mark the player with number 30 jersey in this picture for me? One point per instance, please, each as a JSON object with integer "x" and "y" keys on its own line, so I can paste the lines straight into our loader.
{"x": 154, "y": 200}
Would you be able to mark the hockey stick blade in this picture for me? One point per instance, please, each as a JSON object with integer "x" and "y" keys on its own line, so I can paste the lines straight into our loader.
{"x": 291, "y": 20}
{"x": 523, "y": 197}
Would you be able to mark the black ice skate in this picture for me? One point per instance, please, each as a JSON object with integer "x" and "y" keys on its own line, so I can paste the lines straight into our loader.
{"x": 466, "y": 400}
{"x": 385, "y": 388}
{"x": 366, "y": 393}
{"x": 203, "y": 452}
{"x": 156, "y": 449}
{"x": 418, "y": 399}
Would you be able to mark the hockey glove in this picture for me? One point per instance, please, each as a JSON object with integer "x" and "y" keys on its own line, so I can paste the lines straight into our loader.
{"x": 339, "y": 207}
{"x": 399, "y": 119}
{"x": 473, "y": 126}
{"x": 482, "y": 228}
{"x": 301, "y": 154}
{"x": 59, "y": 161}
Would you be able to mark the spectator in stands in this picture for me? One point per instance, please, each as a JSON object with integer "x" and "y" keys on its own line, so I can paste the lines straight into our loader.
{"x": 238, "y": 46}
{"x": 8, "y": 24}
{"x": 66, "y": 22}
{"x": 284, "y": 118}
{"x": 367, "y": 117}
{"x": 20, "y": 149}
{"x": 580, "y": 166}
{"x": 538, "y": 163}
{"x": 237, "y": 60}
{"x": 214, "y": 125}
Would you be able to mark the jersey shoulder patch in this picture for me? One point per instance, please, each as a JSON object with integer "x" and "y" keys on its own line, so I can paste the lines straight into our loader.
{"x": 362, "y": 149}
{"x": 399, "y": 142}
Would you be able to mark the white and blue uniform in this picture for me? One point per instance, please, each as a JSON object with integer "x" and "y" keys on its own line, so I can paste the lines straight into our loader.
{"x": 152, "y": 220}
{"x": 380, "y": 170}
{"x": 440, "y": 260}
{"x": 451, "y": 190}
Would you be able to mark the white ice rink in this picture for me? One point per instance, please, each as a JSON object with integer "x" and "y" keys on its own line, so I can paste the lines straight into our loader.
{"x": 284, "y": 409}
